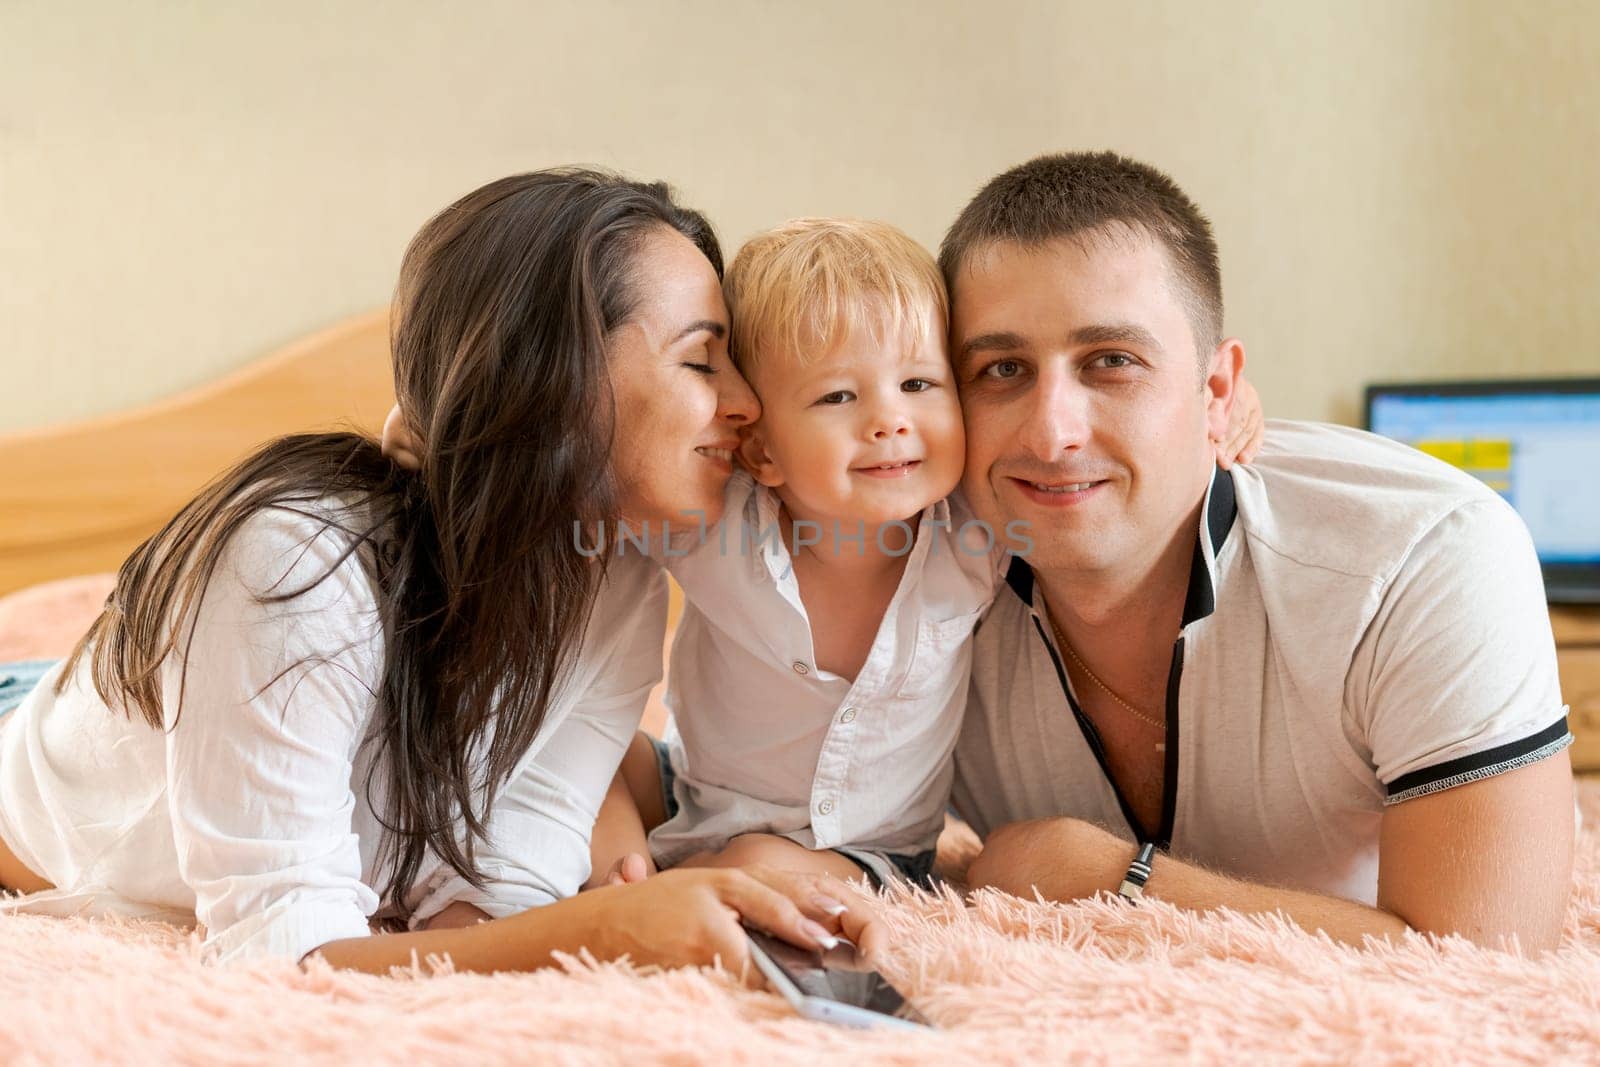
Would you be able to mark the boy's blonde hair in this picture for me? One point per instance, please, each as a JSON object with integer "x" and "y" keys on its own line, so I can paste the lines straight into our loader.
{"x": 805, "y": 286}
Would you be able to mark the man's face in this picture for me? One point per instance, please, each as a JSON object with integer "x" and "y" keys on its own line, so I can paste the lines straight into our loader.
{"x": 1085, "y": 410}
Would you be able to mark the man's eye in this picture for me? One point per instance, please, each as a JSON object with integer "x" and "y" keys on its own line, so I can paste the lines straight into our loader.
{"x": 1115, "y": 359}
{"x": 1003, "y": 368}
{"x": 917, "y": 385}
{"x": 841, "y": 397}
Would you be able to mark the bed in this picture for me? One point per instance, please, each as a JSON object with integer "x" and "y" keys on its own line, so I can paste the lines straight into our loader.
{"x": 1008, "y": 980}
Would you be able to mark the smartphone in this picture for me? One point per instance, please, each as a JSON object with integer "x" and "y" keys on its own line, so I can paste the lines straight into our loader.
{"x": 837, "y": 986}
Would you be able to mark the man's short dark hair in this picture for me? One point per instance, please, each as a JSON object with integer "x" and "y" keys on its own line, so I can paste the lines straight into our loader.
{"x": 1076, "y": 194}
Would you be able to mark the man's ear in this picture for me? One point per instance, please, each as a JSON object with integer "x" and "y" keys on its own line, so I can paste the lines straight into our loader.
{"x": 1222, "y": 379}
{"x": 753, "y": 454}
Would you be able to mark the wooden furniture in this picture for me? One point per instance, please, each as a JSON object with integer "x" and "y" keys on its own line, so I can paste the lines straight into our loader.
{"x": 77, "y": 499}
{"x": 1577, "y": 633}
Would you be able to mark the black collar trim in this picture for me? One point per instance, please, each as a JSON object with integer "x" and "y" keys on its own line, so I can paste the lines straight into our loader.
{"x": 1019, "y": 576}
{"x": 1221, "y": 508}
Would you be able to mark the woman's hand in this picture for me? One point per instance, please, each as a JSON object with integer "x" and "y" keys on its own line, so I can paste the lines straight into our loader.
{"x": 693, "y": 916}
{"x": 1246, "y": 427}
{"x": 686, "y": 917}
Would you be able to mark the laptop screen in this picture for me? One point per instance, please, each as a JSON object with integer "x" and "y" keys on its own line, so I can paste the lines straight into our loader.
{"x": 1537, "y": 444}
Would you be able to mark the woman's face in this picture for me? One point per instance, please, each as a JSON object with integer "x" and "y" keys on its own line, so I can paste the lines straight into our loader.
{"x": 680, "y": 402}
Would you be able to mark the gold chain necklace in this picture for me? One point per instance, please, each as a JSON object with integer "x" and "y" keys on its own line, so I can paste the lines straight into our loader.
{"x": 1159, "y": 724}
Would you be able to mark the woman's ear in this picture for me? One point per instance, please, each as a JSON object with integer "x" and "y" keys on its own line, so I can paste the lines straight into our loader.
{"x": 753, "y": 454}
{"x": 398, "y": 442}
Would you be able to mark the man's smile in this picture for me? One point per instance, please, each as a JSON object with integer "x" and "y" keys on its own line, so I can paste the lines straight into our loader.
{"x": 1055, "y": 493}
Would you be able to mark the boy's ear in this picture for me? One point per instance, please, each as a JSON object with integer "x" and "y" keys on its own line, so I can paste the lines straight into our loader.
{"x": 753, "y": 454}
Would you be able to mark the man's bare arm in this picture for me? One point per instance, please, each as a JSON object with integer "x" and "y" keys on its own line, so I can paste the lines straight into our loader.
{"x": 1068, "y": 859}
{"x": 1489, "y": 860}
{"x": 1485, "y": 860}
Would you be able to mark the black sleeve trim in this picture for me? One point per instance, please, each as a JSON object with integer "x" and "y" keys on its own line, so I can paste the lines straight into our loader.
{"x": 1497, "y": 760}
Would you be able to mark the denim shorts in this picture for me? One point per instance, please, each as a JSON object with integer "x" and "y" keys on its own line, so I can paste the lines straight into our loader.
{"x": 17, "y": 680}
{"x": 916, "y": 869}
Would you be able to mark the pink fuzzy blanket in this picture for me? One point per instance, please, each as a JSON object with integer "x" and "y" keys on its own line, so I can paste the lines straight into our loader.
{"x": 1008, "y": 980}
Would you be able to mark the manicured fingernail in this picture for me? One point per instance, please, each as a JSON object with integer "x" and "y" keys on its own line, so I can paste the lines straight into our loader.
{"x": 829, "y": 904}
{"x": 819, "y": 934}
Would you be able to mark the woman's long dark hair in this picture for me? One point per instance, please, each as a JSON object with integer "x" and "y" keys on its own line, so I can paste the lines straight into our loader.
{"x": 501, "y": 316}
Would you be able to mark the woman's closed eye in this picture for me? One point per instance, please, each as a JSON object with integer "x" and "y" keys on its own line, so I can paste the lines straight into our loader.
{"x": 701, "y": 358}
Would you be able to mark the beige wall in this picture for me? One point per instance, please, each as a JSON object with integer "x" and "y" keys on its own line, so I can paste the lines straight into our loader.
{"x": 1400, "y": 188}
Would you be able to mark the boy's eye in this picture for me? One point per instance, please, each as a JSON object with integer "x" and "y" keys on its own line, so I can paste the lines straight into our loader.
{"x": 842, "y": 396}
{"x": 1002, "y": 368}
{"x": 917, "y": 385}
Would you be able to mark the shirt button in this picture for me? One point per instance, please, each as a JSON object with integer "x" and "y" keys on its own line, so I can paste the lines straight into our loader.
{"x": 801, "y": 668}
{"x": 825, "y": 808}
{"x": 848, "y": 716}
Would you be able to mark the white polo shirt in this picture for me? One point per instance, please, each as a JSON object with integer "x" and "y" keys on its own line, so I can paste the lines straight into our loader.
{"x": 1364, "y": 625}
{"x": 763, "y": 740}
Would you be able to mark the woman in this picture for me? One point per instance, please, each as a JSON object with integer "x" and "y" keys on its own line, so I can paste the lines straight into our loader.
{"x": 337, "y": 689}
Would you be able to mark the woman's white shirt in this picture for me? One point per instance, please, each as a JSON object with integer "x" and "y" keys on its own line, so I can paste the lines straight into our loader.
{"x": 253, "y": 809}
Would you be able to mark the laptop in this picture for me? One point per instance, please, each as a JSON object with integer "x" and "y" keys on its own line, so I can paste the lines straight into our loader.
{"x": 1535, "y": 442}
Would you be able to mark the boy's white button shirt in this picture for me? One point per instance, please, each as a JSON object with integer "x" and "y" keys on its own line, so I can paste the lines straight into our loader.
{"x": 765, "y": 741}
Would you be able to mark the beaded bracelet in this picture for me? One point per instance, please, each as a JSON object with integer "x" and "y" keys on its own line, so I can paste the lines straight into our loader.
{"x": 1132, "y": 888}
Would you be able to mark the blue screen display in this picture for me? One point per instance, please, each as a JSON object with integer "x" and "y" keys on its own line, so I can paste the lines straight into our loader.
{"x": 1539, "y": 451}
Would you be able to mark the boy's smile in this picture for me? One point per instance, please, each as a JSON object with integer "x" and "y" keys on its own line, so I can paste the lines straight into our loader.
{"x": 894, "y": 469}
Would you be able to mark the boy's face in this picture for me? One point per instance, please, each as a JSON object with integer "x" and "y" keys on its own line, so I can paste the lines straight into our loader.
{"x": 869, "y": 433}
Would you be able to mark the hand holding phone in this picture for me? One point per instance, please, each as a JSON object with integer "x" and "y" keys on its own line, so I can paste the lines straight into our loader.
{"x": 838, "y": 986}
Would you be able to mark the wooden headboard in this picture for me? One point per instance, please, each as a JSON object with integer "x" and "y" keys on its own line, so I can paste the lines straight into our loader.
{"x": 77, "y": 499}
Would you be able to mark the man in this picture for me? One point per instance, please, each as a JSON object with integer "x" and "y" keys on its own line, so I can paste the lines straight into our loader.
{"x": 1322, "y": 684}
